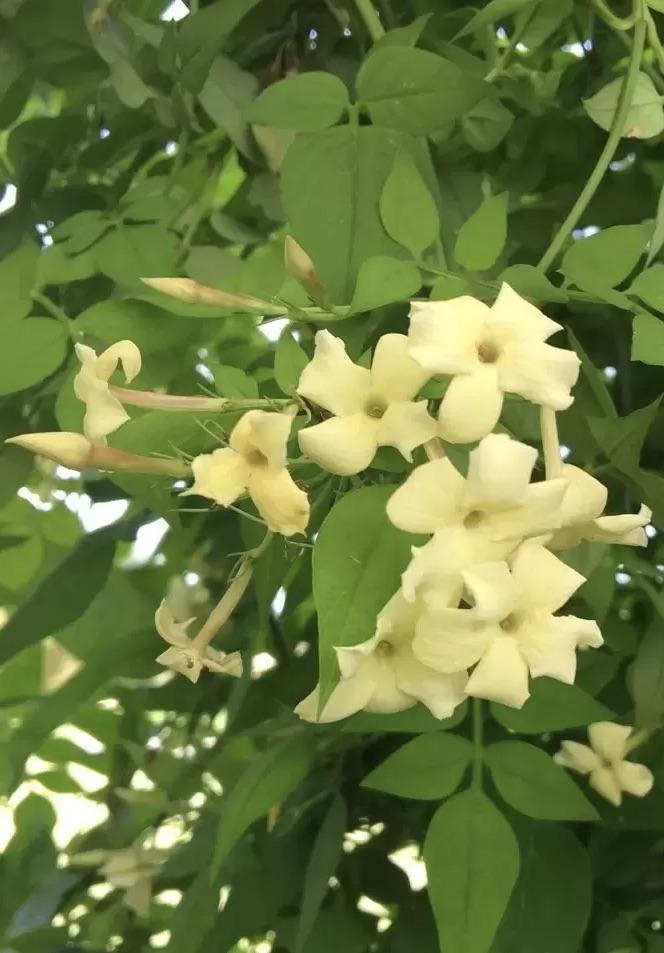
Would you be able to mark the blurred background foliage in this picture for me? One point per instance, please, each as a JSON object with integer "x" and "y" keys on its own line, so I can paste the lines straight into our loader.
{"x": 129, "y": 147}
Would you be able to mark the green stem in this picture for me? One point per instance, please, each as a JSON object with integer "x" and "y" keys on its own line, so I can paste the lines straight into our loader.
{"x": 371, "y": 19}
{"x": 54, "y": 311}
{"x": 153, "y": 400}
{"x": 508, "y": 52}
{"x": 617, "y": 23}
{"x": 478, "y": 742}
{"x": 614, "y": 137}
{"x": 654, "y": 40}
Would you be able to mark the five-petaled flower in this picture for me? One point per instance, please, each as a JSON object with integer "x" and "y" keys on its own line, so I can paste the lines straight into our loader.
{"x": 131, "y": 869}
{"x": 605, "y": 761}
{"x": 371, "y": 408}
{"x": 477, "y": 518}
{"x": 489, "y": 352}
{"x": 104, "y": 413}
{"x": 510, "y": 631}
{"x": 383, "y": 675}
{"x": 255, "y": 461}
{"x": 187, "y": 656}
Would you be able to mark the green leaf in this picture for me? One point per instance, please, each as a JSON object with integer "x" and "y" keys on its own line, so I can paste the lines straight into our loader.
{"x": 62, "y": 596}
{"x": 648, "y": 338}
{"x": 323, "y": 860}
{"x": 404, "y": 35}
{"x": 428, "y": 768}
{"x": 414, "y": 90}
{"x": 553, "y": 894}
{"x": 610, "y": 255}
{"x": 482, "y": 237}
{"x": 357, "y": 564}
{"x": 493, "y": 12}
{"x": 226, "y": 96}
{"x": 340, "y": 224}
{"x": 413, "y": 721}
{"x": 150, "y": 328}
{"x": 32, "y": 349}
{"x": 234, "y": 382}
{"x": 649, "y": 287}
{"x": 472, "y": 861}
{"x": 621, "y": 439}
{"x": 128, "y": 254}
{"x": 306, "y": 102}
{"x": 486, "y": 124}
{"x": 18, "y": 272}
{"x": 289, "y": 362}
{"x": 407, "y": 208}
{"x": 382, "y": 281}
{"x": 130, "y": 88}
{"x": 552, "y": 706}
{"x": 645, "y": 116}
{"x": 528, "y": 281}
{"x": 203, "y": 34}
{"x": 647, "y": 678}
{"x": 657, "y": 239}
{"x": 531, "y": 782}
{"x": 265, "y": 783}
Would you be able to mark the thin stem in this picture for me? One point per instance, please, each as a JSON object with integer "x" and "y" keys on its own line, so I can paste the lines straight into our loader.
{"x": 508, "y": 52}
{"x": 478, "y": 742}
{"x": 617, "y": 23}
{"x": 550, "y": 443}
{"x": 55, "y": 311}
{"x": 614, "y": 137}
{"x": 371, "y": 19}
{"x": 654, "y": 40}
{"x": 226, "y": 605}
{"x": 435, "y": 449}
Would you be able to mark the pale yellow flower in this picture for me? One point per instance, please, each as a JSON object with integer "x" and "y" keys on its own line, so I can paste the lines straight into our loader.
{"x": 185, "y": 655}
{"x": 103, "y": 411}
{"x": 131, "y": 869}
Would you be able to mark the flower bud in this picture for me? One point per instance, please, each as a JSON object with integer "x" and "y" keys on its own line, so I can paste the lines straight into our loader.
{"x": 300, "y": 266}
{"x": 185, "y": 289}
{"x": 70, "y": 449}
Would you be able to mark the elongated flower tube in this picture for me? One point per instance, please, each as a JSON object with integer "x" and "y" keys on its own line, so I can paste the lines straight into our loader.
{"x": 103, "y": 411}
{"x": 372, "y": 408}
{"x": 383, "y": 675}
{"x": 190, "y": 291}
{"x": 510, "y": 633}
{"x": 581, "y": 511}
{"x": 255, "y": 461}
{"x": 476, "y": 518}
{"x": 489, "y": 352}
{"x": 605, "y": 762}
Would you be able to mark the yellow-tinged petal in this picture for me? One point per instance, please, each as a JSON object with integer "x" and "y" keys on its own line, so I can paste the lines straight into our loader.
{"x": 349, "y": 696}
{"x": 577, "y": 757}
{"x": 499, "y": 469}
{"x": 584, "y": 499}
{"x": 440, "y": 693}
{"x": 451, "y": 640}
{"x": 341, "y": 445}
{"x": 539, "y": 372}
{"x": 172, "y": 631}
{"x": 444, "y": 335}
{"x": 514, "y": 317}
{"x": 627, "y": 529}
{"x": 471, "y": 406}
{"x": 182, "y": 661}
{"x": 429, "y": 499}
{"x": 332, "y": 381}
{"x": 493, "y": 590}
{"x": 123, "y": 352}
{"x": 609, "y": 740}
{"x": 260, "y": 436}
{"x": 605, "y": 782}
{"x": 278, "y": 499}
{"x": 501, "y": 675}
{"x": 406, "y": 426}
{"x": 395, "y": 376}
{"x": 220, "y": 476}
{"x": 544, "y": 582}
{"x": 634, "y": 778}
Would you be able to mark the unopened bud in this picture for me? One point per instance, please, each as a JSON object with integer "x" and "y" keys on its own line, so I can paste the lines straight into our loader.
{"x": 185, "y": 289}
{"x": 300, "y": 266}
{"x": 70, "y": 449}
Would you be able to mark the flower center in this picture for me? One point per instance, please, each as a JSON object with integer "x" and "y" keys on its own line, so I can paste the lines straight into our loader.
{"x": 474, "y": 519}
{"x": 487, "y": 352}
{"x": 375, "y": 408}
{"x": 384, "y": 649}
{"x": 510, "y": 623}
{"x": 256, "y": 458}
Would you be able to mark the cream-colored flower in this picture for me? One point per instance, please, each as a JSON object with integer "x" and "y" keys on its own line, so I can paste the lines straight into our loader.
{"x": 103, "y": 411}
{"x": 382, "y": 675}
{"x": 581, "y": 511}
{"x": 132, "y": 869}
{"x": 490, "y": 352}
{"x": 510, "y": 632}
{"x": 372, "y": 408}
{"x": 185, "y": 655}
{"x": 478, "y": 518}
{"x": 606, "y": 762}
{"x": 255, "y": 461}
{"x": 69, "y": 449}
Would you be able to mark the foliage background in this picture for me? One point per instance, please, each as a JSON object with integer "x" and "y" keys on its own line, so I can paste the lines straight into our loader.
{"x": 128, "y": 148}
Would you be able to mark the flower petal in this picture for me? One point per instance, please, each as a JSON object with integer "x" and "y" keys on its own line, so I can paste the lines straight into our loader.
{"x": 634, "y": 778}
{"x": 264, "y": 433}
{"x": 352, "y": 658}
{"x": 349, "y": 696}
{"x": 435, "y": 568}
{"x": 537, "y": 513}
{"x": 539, "y": 372}
{"x": 342, "y": 445}
{"x": 451, "y": 640}
{"x": 104, "y": 414}
{"x": 605, "y": 782}
{"x": 577, "y": 757}
{"x": 501, "y": 675}
{"x": 440, "y": 693}
{"x": 220, "y": 476}
{"x": 124, "y": 352}
{"x": 499, "y": 469}
{"x": 332, "y": 381}
{"x": 387, "y": 696}
{"x": 547, "y": 650}
{"x": 585, "y": 497}
{"x": 609, "y": 740}
{"x": 278, "y": 499}
{"x": 515, "y": 318}
{"x": 471, "y": 406}
{"x": 627, "y": 529}
{"x": 492, "y": 589}
{"x": 225, "y": 663}
{"x": 444, "y": 335}
{"x": 395, "y": 376}
{"x": 406, "y": 425}
{"x": 429, "y": 498}
{"x": 544, "y": 582}
{"x": 185, "y": 663}
{"x": 397, "y": 620}
{"x": 173, "y": 632}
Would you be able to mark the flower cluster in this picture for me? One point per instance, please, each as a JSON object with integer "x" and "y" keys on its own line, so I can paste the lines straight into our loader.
{"x": 476, "y": 611}
{"x": 605, "y": 762}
